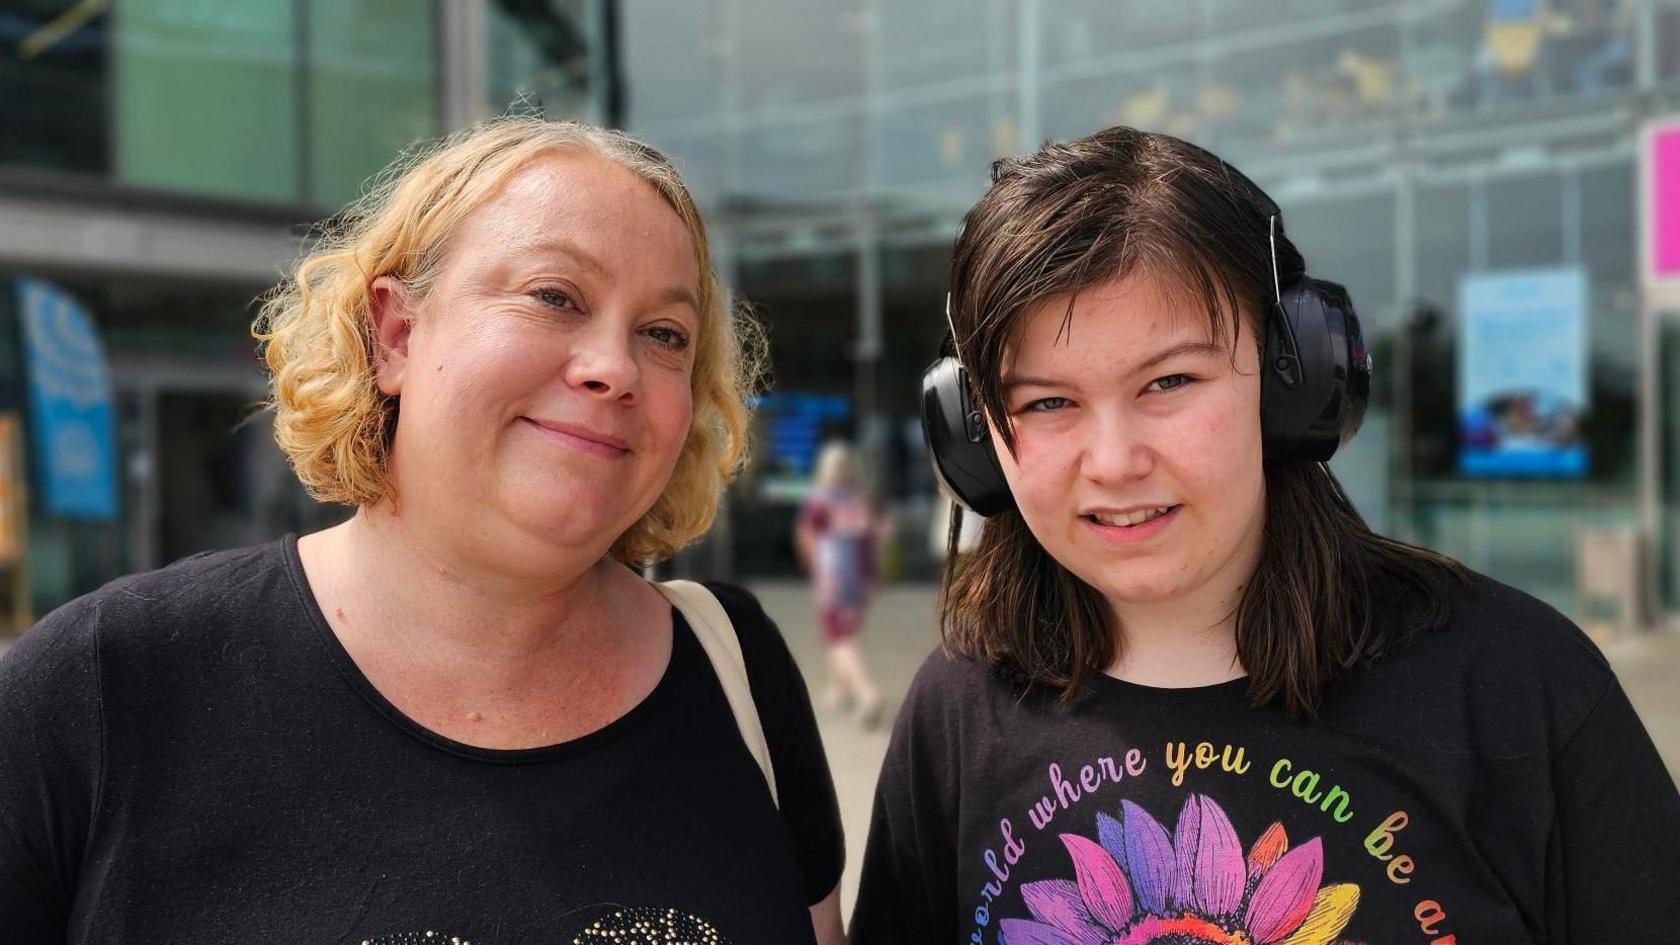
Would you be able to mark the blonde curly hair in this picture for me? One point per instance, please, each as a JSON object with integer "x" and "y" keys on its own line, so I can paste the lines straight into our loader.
{"x": 335, "y": 425}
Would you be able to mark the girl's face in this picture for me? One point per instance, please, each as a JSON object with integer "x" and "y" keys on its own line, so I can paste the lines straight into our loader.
{"x": 1137, "y": 460}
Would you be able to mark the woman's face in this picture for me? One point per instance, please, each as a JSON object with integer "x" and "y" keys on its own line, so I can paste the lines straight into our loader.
{"x": 1138, "y": 448}
{"x": 544, "y": 381}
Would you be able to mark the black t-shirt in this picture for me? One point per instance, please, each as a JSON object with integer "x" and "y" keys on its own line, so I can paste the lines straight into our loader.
{"x": 1487, "y": 783}
{"x": 191, "y": 756}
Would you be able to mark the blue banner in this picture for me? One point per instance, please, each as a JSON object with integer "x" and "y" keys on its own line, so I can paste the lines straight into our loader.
{"x": 1522, "y": 373}
{"x": 69, "y": 404}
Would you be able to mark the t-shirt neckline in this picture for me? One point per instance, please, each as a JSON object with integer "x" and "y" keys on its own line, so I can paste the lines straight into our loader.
{"x": 1229, "y": 691}
{"x": 682, "y": 644}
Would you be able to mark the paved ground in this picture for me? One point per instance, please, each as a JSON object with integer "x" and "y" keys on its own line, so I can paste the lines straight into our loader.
{"x": 901, "y": 634}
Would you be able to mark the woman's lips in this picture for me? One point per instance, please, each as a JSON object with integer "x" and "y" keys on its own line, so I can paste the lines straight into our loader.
{"x": 581, "y": 438}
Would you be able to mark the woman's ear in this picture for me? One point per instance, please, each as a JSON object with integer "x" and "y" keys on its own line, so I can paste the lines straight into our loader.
{"x": 392, "y": 318}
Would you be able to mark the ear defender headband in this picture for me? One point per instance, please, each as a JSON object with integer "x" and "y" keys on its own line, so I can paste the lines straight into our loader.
{"x": 1315, "y": 380}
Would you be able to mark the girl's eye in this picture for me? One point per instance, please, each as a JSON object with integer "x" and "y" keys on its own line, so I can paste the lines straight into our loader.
{"x": 1045, "y": 405}
{"x": 1170, "y": 382}
{"x": 555, "y": 298}
{"x": 669, "y": 337}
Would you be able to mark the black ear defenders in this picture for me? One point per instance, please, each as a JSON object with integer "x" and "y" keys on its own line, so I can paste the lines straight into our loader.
{"x": 1315, "y": 380}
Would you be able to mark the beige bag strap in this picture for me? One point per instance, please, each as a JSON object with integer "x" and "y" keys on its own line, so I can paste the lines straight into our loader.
{"x": 711, "y": 625}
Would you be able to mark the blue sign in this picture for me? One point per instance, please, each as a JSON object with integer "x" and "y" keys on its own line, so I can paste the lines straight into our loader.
{"x": 1522, "y": 373}
{"x": 69, "y": 404}
{"x": 796, "y": 423}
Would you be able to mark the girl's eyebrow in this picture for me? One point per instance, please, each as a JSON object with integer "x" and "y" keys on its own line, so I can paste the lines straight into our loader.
{"x": 1188, "y": 347}
{"x": 1194, "y": 348}
{"x": 1012, "y": 381}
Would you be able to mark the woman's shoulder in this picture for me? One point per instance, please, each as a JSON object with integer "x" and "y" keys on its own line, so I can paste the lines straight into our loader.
{"x": 199, "y": 591}
{"x": 142, "y": 621}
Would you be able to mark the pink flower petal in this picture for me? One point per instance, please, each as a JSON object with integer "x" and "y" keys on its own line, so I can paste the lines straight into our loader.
{"x": 1022, "y": 932}
{"x": 1149, "y": 857}
{"x": 1102, "y": 884}
{"x": 1210, "y": 872}
{"x": 1285, "y": 894}
{"x": 1057, "y": 902}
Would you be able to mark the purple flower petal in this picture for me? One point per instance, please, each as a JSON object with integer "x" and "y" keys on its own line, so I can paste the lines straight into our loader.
{"x": 1149, "y": 857}
{"x": 1102, "y": 884}
{"x": 1058, "y": 902}
{"x": 1112, "y": 836}
{"x": 1285, "y": 894}
{"x": 1210, "y": 871}
{"x": 1022, "y": 932}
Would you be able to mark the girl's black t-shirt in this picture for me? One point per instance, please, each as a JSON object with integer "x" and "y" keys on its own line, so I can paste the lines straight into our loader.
{"x": 191, "y": 756}
{"x": 1484, "y": 783}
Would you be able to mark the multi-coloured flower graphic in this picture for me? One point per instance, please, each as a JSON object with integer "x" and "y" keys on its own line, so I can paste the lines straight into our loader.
{"x": 1139, "y": 886}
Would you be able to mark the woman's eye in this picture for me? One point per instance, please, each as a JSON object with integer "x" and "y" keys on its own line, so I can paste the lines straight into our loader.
{"x": 669, "y": 337}
{"x": 1170, "y": 382}
{"x": 555, "y": 298}
{"x": 1045, "y": 405}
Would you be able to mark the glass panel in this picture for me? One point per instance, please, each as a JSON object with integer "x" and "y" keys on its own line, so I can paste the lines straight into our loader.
{"x": 1305, "y": 90}
{"x": 937, "y": 42}
{"x": 1667, "y": 45}
{"x": 1350, "y": 239}
{"x": 372, "y": 89}
{"x": 1230, "y": 15}
{"x": 53, "y": 87}
{"x": 676, "y": 58}
{"x": 808, "y": 307}
{"x": 1669, "y": 460}
{"x": 1076, "y": 30}
{"x": 1525, "y": 221}
{"x": 1503, "y": 53}
{"x": 944, "y": 142}
{"x": 1163, "y": 98}
{"x": 799, "y": 162}
{"x": 796, "y": 51}
{"x": 207, "y": 96}
{"x": 1441, "y": 242}
{"x": 537, "y": 55}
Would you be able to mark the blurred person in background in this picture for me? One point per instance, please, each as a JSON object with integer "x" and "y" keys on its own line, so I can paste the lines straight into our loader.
{"x": 838, "y": 534}
{"x": 1186, "y": 694}
{"x": 462, "y": 715}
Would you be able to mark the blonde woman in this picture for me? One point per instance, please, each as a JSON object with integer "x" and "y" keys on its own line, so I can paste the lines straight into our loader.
{"x": 838, "y": 530}
{"x": 461, "y": 716}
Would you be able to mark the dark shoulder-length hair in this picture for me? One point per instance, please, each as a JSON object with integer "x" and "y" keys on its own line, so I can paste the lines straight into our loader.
{"x": 1329, "y": 594}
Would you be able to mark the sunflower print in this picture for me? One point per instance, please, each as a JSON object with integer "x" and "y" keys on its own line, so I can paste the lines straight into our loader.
{"x": 1136, "y": 885}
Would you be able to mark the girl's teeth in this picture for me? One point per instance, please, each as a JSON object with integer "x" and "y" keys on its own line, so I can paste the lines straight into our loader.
{"x": 1134, "y": 518}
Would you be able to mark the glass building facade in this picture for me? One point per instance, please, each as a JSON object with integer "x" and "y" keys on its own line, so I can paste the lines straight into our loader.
{"x": 1414, "y": 144}
{"x": 161, "y": 160}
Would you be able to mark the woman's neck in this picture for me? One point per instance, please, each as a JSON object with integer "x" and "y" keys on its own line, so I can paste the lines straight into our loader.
{"x": 480, "y": 656}
{"x": 383, "y": 576}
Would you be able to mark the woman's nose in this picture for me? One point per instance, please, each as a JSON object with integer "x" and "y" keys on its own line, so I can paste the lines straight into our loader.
{"x": 605, "y": 366}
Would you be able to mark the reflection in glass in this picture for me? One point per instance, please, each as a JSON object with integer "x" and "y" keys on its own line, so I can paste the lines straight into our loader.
{"x": 53, "y": 81}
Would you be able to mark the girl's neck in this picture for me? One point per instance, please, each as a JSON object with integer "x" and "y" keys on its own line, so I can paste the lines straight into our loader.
{"x": 1179, "y": 643}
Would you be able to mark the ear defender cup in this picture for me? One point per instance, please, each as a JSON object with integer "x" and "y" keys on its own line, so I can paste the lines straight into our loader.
{"x": 1316, "y": 378}
{"x": 959, "y": 442}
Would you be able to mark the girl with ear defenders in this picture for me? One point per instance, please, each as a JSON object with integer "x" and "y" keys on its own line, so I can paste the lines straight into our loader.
{"x": 1186, "y": 695}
